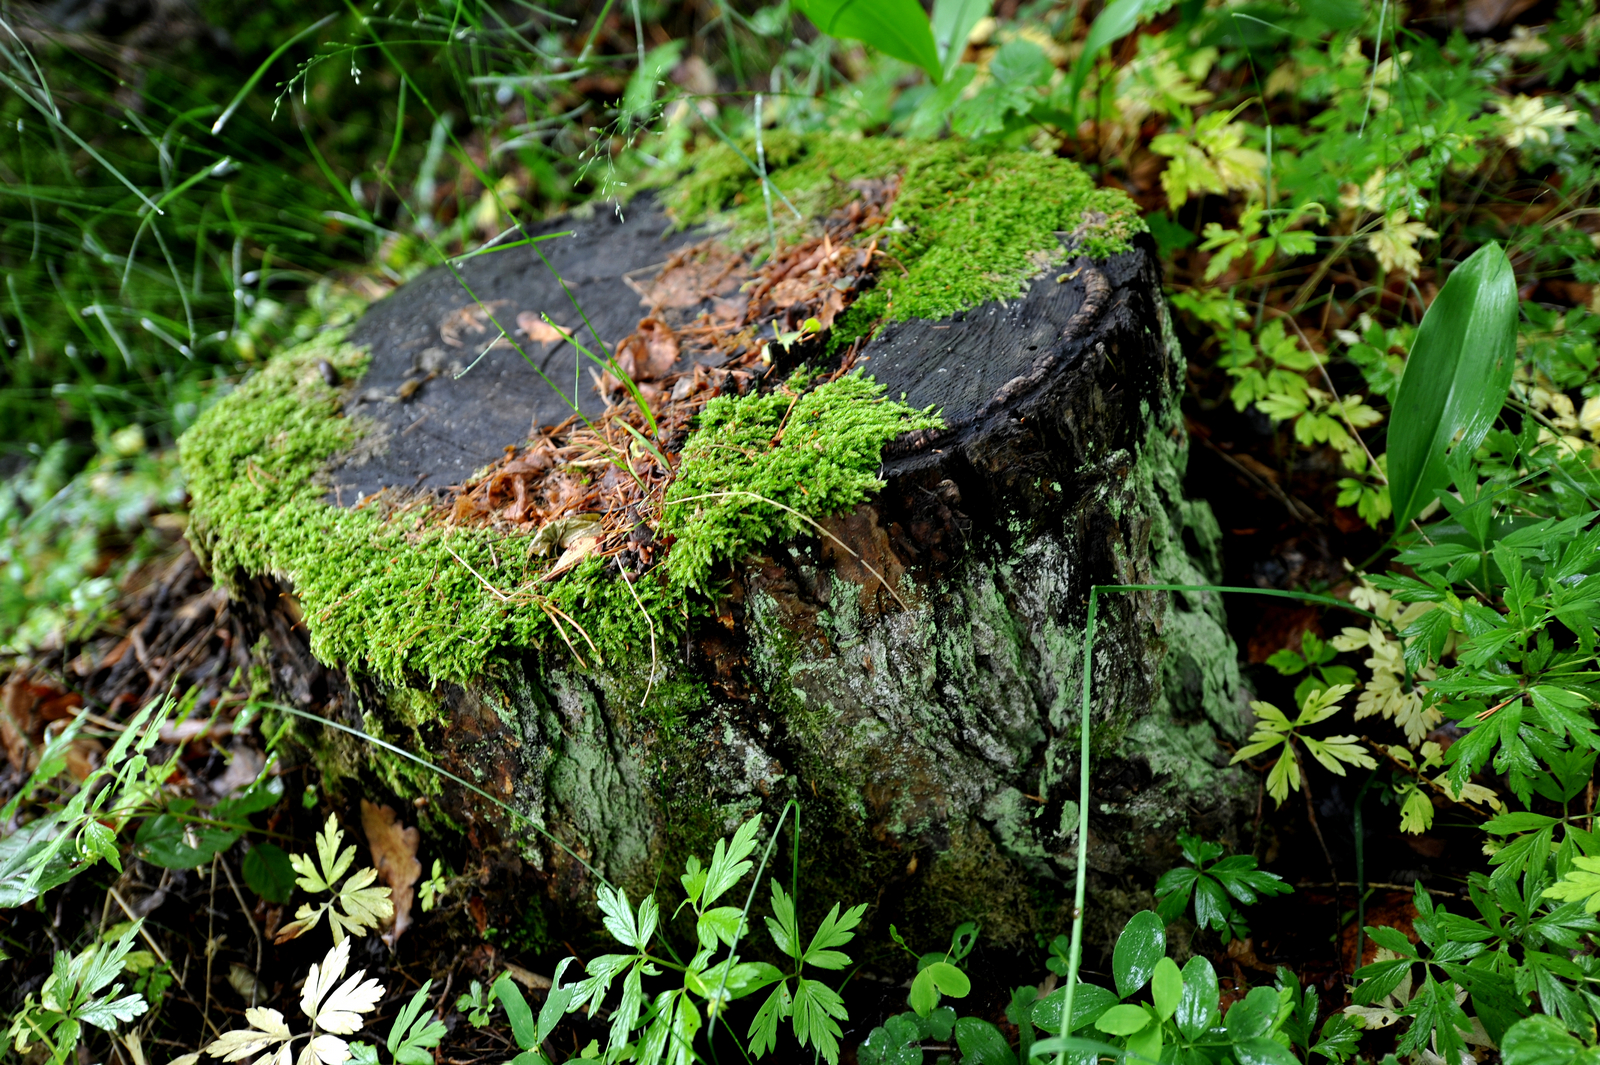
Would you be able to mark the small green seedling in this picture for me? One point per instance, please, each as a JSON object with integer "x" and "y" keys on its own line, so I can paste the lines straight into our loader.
{"x": 530, "y": 1033}
{"x": 431, "y": 890}
{"x": 477, "y": 1004}
{"x": 1215, "y": 886}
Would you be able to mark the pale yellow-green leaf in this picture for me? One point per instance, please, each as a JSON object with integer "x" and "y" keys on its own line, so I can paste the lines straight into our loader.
{"x": 1352, "y": 639}
{"x": 1323, "y": 704}
{"x": 1395, "y": 243}
{"x": 1270, "y": 717}
{"x": 1581, "y": 884}
{"x": 1188, "y": 171}
{"x": 1416, "y": 812}
{"x": 1285, "y": 777}
{"x": 1526, "y": 119}
{"x": 1280, "y": 407}
{"x": 267, "y": 1029}
{"x": 1336, "y": 752}
{"x": 1261, "y": 746}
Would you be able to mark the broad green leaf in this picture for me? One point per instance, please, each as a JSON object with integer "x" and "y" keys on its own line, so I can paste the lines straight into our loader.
{"x": 781, "y": 925}
{"x": 1197, "y": 1010}
{"x": 693, "y": 878}
{"x": 817, "y": 1012}
{"x": 1145, "y": 1044}
{"x": 25, "y": 871}
{"x": 894, "y": 27}
{"x": 268, "y": 873}
{"x": 763, "y": 1034}
{"x": 261, "y": 795}
{"x": 952, "y": 23}
{"x": 1088, "y": 1004}
{"x": 1166, "y": 988}
{"x": 1543, "y": 1040}
{"x": 557, "y": 1001}
{"x": 1260, "y": 1051}
{"x": 523, "y": 1027}
{"x": 730, "y": 861}
{"x": 166, "y": 841}
{"x": 1252, "y": 1016}
{"x": 100, "y": 841}
{"x": 1143, "y": 942}
{"x": 940, "y": 978}
{"x": 414, "y": 1032}
{"x": 834, "y": 931}
{"x": 617, "y": 915}
{"x": 106, "y": 1014}
{"x": 1124, "y": 1019}
{"x": 982, "y": 1044}
{"x": 1456, "y": 378}
{"x": 721, "y": 984}
{"x": 1512, "y": 823}
{"x": 937, "y": 1025}
{"x": 723, "y": 922}
{"x": 1115, "y": 22}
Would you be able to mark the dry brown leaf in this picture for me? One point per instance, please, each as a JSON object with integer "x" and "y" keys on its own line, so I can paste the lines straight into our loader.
{"x": 394, "y": 855}
{"x": 473, "y": 318}
{"x": 650, "y": 352}
{"x": 540, "y": 331}
{"x": 579, "y": 550}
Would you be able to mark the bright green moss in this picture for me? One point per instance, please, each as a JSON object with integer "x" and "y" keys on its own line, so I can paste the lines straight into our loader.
{"x": 969, "y": 225}
{"x": 814, "y": 453}
{"x": 392, "y": 592}
{"x": 395, "y": 592}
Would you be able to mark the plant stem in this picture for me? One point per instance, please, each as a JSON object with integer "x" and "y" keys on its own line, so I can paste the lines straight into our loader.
{"x": 1075, "y": 953}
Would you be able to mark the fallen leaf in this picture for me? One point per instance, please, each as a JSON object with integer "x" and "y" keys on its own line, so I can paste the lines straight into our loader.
{"x": 473, "y": 318}
{"x": 540, "y": 331}
{"x": 1483, "y": 16}
{"x": 394, "y": 855}
{"x": 580, "y": 549}
{"x": 650, "y": 352}
{"x": 242, "y": 980}
{"x": 563, "y": 533}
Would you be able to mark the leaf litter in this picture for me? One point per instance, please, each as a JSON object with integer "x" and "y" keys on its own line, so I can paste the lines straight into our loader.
{"x": 717, "y": 321}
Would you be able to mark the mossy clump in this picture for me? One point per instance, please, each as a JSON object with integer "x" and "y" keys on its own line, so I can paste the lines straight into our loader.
{"x": 970, "y": 224}
{"x": 759, "y": 465}
{"x": 401, "y": 594}
{"x": 392, "y": 592}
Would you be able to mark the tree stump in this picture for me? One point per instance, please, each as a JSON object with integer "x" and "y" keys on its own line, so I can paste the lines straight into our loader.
{"x": 391, "y": 505}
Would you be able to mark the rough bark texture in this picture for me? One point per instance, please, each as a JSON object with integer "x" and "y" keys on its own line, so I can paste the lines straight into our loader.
{"x": 917, "y": 695}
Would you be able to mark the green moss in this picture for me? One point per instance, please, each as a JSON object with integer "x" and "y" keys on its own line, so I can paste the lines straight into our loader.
{"x": 970, "y": 224}
{"x": 810, "y": 453}
{"x": 391, "y": 591}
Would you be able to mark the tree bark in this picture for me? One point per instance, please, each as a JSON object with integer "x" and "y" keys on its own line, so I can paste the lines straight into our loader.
{"x": 910, "y": 680}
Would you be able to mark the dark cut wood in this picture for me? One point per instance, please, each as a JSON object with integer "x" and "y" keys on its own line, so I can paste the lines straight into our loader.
{"x": 451, "y": 426}
{"x": 443, "y": 411}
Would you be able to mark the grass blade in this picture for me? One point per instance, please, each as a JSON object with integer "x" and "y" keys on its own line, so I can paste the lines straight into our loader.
{"x": 227, "y": 113}
{"x": 1456, "y": 377}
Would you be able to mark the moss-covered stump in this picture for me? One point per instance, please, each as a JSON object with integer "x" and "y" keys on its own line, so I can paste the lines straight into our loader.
{"x": 845, "y": 567}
